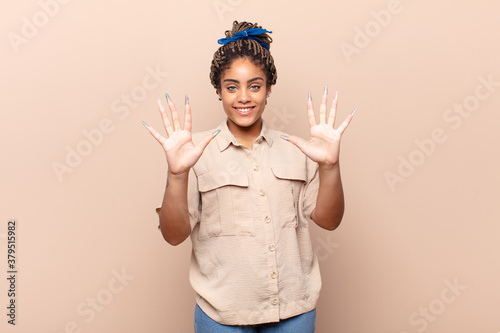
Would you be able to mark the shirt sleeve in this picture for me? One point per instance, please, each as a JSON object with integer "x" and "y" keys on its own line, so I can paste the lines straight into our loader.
{"x": 193, "y": 198}
{"x": 307, "y": 199}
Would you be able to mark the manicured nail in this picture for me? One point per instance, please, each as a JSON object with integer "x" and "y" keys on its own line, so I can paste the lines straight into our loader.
{"x": 216, "y": 132}
{"x": 354, "y": 111}
{"x": 284, "y": 137}
{"x": 309, "y": 96}
{"x": 325, "y": 90}
{"x": 186, "y": 100}
{"x": 167, "y": 97}
{"x": 146, "y": 125}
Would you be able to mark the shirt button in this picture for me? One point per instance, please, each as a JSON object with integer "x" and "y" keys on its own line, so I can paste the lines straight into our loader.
{"x": 271, "y": 248}
{"x": 267, "y": 219}
{"x": 273, "y": 275}
{"x": 256, "y": 168}
{"x": 274, "y": 301}
{"x": 262, "y": 193}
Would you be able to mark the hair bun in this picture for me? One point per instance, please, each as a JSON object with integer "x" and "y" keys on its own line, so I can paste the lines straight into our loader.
{"x": 242, "y": 26}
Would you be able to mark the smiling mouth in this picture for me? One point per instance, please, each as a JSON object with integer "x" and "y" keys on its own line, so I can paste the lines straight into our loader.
{"x": 244, "y": 110}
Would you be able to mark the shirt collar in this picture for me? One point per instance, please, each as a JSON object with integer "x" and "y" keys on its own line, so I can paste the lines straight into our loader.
{"x": 225, "y": 137}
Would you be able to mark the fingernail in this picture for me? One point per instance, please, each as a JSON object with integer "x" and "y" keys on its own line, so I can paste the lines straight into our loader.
{"x": 325, "y": 90}
{"x": 216, "y": 132}
{"x": 145, "y": 125}
{"x": 167, "y": 97}
{"x": 309, "y": 96}
{"x": 284, "y": 137}
{"x": 186, "y": 100}
{"x": 354, "y": 111}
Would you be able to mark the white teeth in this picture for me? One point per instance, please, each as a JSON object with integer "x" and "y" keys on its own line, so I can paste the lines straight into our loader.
{"x": 245, "y": 110}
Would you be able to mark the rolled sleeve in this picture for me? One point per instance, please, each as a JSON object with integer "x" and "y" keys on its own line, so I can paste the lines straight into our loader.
{"x": 193, "y": 199}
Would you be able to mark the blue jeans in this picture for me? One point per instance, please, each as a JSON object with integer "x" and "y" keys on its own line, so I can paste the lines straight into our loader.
{"x": 303, "y": 323}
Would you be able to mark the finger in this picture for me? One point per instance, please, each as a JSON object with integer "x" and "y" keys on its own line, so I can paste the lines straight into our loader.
{"x": 310, "y": 112}
{"x": 322, "y": 108}
{"x": 156, "y": 135}
{"x": 300, "y": 143}
{"x": 206, "y": 140}
{"x": 333, "y": 111}
{"x": 346, "y": 122}
{"x": 175, "y": 115}
{"x": 187, "y": 115}
{"x": 164, "y": 117}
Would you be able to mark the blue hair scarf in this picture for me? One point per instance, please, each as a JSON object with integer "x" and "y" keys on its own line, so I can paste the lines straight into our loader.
{"x": 246, "y": 34}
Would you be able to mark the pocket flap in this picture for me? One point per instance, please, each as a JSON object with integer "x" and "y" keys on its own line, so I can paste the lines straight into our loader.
{"x": 295, "y": 172}
{"x": 215, "y": 179}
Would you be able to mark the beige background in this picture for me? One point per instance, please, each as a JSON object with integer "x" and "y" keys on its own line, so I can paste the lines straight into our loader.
{"x": 402, "y": 243}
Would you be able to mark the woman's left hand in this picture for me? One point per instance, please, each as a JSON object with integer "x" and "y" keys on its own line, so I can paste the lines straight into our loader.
{"x": 324, "y": 145}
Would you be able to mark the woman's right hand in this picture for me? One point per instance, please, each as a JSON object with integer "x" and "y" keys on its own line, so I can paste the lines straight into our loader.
{"x": 181, "y": 152}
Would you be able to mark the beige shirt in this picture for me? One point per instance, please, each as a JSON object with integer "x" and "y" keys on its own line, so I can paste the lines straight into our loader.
{"x": 252, "y": 259}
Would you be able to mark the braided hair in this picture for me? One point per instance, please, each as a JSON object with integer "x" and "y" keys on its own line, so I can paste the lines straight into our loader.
{"x": 243, "y": 48}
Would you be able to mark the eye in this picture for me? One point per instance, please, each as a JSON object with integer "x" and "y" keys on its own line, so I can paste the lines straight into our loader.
{"x": 231, "y": 88}
{"x": 255, "y": 87}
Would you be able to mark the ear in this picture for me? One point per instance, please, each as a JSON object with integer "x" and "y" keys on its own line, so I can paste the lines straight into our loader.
{"x": 268, "y": 91}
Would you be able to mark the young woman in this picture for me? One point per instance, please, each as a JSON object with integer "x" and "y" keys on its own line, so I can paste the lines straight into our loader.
{"x": 246, "y": 193}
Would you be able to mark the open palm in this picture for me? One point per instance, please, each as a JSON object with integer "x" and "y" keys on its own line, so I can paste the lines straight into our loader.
{"x": 324, "y": 145}
{"x": 179, "y": 148}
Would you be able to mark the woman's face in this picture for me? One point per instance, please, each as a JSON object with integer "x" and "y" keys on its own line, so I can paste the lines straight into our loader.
{"x": 243, "y": 92}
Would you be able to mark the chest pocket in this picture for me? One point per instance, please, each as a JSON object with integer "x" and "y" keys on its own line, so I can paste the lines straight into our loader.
{"x": 226, "y": 209}
{"x": 289, "y": 181}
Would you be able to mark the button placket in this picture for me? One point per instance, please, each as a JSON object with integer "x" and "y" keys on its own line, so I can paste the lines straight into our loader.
{"x": 258, "y": 171}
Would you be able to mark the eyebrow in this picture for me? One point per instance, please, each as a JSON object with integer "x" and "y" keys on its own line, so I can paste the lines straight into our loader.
{"x": 236, "y": 81}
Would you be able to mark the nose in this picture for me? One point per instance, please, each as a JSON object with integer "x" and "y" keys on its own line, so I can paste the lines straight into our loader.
{"x": 244, "y": 96}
